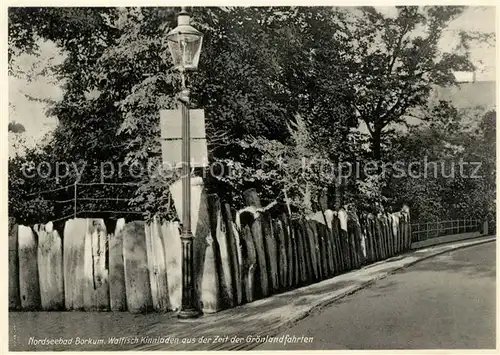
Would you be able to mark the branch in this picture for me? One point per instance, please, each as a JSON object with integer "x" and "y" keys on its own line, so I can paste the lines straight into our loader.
{"x": 388, "y": 113}
{"x": 359, "y": 111}
{"x": 218, "y": 139}
{"x": 396, "y": 51}
{"x": 386, "y": 117}
{"x": 417, "y": 117}
{"x": 401, "y": 111}
{"x": 368, "y": 125}
{"x": 39, "y": 99}
{"x": 364, "y": 118}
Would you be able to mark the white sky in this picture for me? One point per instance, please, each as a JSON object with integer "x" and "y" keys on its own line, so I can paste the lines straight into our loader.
{"x": 32, "y": 114}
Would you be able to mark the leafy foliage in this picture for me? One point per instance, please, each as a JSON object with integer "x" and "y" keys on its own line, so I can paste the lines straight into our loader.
{"x": 396, "y": 63}
{"x": 16, "y": 127}
{"x": 283, "y": 88}
{"x": 444, "y": 190}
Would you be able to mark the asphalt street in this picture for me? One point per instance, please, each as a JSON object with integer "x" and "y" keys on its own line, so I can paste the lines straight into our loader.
{"x": 445, "y": 302}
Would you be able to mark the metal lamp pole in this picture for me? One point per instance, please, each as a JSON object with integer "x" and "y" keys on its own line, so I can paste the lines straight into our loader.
{"x": 185, "y": 45}
{"x": 188, "y": 308}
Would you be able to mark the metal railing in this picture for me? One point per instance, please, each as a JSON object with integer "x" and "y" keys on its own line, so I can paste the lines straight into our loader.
{"x": 428, "y": 230}
{"x": 77, "y": 209}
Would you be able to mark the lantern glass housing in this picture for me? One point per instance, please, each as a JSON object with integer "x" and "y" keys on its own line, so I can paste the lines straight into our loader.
{"x": 184, "y": 43}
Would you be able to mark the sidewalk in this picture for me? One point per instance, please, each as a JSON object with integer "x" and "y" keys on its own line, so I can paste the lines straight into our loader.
{"x": 226, "y": 330}
{"x": 271, "y": 315}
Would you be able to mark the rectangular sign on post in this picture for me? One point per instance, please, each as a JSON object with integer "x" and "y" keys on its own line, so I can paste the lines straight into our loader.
{"x": 171, "y": 137}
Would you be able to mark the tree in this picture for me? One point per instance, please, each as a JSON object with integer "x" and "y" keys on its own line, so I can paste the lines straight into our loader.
{"x": 443, "y": 190}
{"x": 255, "y": 67}
{"x": 396, "y": 63}
{"x": 260, "y": 69}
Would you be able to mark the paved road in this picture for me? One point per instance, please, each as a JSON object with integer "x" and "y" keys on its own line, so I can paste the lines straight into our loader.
{"x": 446, "y": 302}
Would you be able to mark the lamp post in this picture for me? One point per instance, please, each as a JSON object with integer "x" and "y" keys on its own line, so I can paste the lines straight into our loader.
{"x": 184, "y": 43}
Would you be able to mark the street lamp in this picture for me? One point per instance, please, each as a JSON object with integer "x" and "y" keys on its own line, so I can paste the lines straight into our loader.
{"x": 184, "y": 43}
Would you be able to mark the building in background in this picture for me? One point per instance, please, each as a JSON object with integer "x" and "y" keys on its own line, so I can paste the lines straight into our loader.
{"x": 469, "y": 93}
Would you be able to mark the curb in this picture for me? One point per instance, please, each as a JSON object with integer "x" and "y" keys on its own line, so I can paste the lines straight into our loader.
{"x": 352, "y": 290}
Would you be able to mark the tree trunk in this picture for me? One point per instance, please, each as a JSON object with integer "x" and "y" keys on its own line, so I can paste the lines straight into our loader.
{"x": 376, "y": 143}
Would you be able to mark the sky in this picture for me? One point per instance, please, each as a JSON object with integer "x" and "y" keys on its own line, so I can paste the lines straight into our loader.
{"x": 33, "y": 116}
